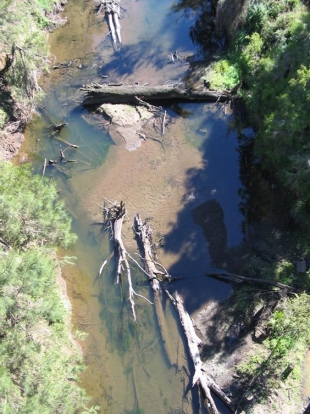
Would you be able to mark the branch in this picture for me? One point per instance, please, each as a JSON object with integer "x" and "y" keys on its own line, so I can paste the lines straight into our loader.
{"x": 200, "y": 378}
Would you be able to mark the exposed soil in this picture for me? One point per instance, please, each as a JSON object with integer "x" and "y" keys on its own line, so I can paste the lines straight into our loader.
{"x": 233, "y": 330}
{"x": 11, "y": 136}
{"x": 10, "y": 143}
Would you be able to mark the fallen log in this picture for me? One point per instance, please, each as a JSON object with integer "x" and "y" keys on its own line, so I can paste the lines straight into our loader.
{"x": 113, "y": 218}
{"x": 111, "y": 9}
{"x": 44, "y": 167}
{"x": 206, "y": 384}
{"x": 144, "y": 233}
{"x": 131, "y": 94}
{"x": 231, "y": 277}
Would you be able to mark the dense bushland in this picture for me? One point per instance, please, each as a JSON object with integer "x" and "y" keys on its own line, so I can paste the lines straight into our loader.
{"x": 23, "y": 56}
{"x": 39, "y": 362}
{"x": 269, "y": 60}
{"x": 262, "y": 54}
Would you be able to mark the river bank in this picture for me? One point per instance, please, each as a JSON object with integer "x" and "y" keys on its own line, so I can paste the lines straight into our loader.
{"x": 22, "y": 62}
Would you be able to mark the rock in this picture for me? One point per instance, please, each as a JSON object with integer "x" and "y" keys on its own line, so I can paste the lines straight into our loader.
{"x": 9, "y": 144}
{"x": 127, "y": 122}
{"x": 125, "y": 115}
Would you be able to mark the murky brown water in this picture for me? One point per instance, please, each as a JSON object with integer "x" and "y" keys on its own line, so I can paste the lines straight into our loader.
{"x": 127, "y": 368}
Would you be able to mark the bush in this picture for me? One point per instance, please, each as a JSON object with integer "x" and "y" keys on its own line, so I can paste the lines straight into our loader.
{"x": 224, "y": 75}
{"x": 40, "y": 364}
{"x": 22, "y": 38}
{"x": 289, "y": 325}
{"x": 30, "y": 212}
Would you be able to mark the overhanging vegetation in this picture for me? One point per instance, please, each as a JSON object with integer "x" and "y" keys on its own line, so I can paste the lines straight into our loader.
{"x": 40, "y": 363}
{"x": 23, "y": 56}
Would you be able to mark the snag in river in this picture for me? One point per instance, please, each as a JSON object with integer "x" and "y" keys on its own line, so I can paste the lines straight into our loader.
{"x": 113, "y": 218}
{"x": 111, "y": 9}
{"x": 205, "y": 382}
{"x": 155, "y": 272}
{"x": 133, "y": 94}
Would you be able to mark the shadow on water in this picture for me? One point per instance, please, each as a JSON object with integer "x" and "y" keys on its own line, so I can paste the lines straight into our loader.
{"x": 162, "y": 34}
{"x": 128, "y": 372}
{"x": 211, "y": 202}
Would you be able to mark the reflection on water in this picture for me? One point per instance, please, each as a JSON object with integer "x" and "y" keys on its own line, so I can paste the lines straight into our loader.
{"x": 128, "y": 371}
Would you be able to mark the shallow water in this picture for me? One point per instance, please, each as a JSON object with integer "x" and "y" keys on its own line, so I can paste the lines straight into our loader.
{"x": 128, "y": 370}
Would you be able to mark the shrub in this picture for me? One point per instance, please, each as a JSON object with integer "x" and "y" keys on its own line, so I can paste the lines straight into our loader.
{"x": 30, "y": 212}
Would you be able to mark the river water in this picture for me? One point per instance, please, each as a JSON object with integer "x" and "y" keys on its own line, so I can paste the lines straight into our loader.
{"x": 127, "y": 368}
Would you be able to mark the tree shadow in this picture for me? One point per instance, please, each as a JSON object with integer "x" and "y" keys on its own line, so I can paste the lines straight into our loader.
{"x": 153, "y": 47}
{"x": 210, "y": 201}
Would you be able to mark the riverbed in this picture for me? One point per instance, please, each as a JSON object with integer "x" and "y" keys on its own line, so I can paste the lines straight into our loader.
{"x": 196, "y": 162}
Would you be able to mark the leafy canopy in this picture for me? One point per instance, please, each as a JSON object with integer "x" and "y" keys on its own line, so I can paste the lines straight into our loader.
{"x": 39, "y": 362}
{"x": 30, "y": 212}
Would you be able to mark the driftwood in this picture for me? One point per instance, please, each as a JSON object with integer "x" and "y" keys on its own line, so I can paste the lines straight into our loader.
{"x": 111, "y": 9}
{"x": 113, "y": 218}
{"x": 131, "y": 94}
{"x": 250, "y": 280}
{"x": 58, "y": 127}
{"x": 44, "y": 167}
{"x": 205, "y": 383}
{"x": 66, "y": 142}
{"x": 144, "y": 233}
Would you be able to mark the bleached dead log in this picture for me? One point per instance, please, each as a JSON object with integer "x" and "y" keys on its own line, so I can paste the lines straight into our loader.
{"x": 144, "y": 232}
{"x": 99, "y": 94}
{"x": 117, "y": 27}
{"x": 113, "y": 217}
{"x": 163, "y": 124}
{"x": 44, "y": 167}
{"x": 205, "y": 383}
{"x": 111, "y": 9}
{"x": 111, "y": 26}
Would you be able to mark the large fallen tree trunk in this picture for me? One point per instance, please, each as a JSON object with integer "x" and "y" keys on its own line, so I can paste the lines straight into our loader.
{"x": 206, "y": 383}
{"x": 113, "y": 217}
{"x": 144, "y": 233}
{"x": 99, "y": 94}
{"x": 231, "y": 277}
{"x": 112, "y": 11}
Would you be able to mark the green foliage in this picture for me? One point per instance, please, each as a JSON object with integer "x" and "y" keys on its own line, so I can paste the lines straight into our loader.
{"x": 254, "y": 362}
{"x": 30, "y": 212}
{"x": 257, "y": 17}
{"x": 270, "y": 56}
{"x": 290, "y": 325}
{"x": 39, "y": 363}
{"x": 223, "y": 75}
{"x": 287, "y": 341}
{"x": 284, "y": 271}
{"x": 21, "y": 24}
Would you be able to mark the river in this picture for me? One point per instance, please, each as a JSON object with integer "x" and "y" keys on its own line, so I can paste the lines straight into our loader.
{"x": 127, "y": 370}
